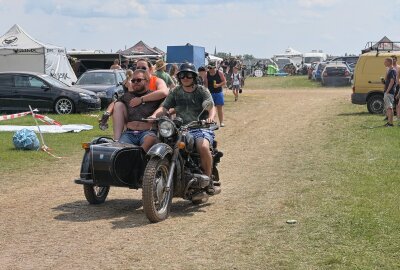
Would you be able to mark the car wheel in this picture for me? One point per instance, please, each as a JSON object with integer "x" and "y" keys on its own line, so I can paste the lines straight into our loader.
{"x": 64, "y": 106}
{"x": 375, "y": 104}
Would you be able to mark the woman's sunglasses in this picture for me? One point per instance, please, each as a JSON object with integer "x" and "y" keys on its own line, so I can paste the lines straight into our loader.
{"x": 137, "y": 80}
{"x": 188, "y": 75}
{"x": 142, "y": 68}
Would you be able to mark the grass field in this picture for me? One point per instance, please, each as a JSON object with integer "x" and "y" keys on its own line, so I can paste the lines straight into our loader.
{"x": 353, "y": 214}
{"x": 276, "y": 82}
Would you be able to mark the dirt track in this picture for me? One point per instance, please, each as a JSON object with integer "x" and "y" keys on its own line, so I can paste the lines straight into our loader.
{"x": 45, "y": 222}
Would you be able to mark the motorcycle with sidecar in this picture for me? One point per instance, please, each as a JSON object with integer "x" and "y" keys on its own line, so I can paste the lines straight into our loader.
{"x": 171, "y": 168}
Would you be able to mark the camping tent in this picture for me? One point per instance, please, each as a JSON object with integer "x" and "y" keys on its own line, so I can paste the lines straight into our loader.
{"x": 21, "y": 52}
{"x": 141, "y": 49}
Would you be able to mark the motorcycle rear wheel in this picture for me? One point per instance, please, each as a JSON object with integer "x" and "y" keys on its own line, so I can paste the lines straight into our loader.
{"x": 156, "y": 199}
{"x": 95, "y": 194}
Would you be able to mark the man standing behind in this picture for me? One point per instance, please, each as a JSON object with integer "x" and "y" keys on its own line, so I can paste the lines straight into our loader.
{"x": 214, "y": 82}
{"x": 389, "y": 90}
{"x": 161, "y": 73}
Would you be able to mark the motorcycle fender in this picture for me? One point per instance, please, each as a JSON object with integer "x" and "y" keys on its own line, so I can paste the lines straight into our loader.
{"x": 160, "y": 150}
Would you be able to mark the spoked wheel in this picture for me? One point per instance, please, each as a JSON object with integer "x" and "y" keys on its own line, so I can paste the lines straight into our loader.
{"x": 64, "y": 106}
{"x": 95, "y": 194}
{"x": 156, "y": 197}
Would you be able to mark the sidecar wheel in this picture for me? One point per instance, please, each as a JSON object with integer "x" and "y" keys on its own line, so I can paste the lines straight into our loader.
{"x": 95, "y": 194}
{"x": 156, "y": 199}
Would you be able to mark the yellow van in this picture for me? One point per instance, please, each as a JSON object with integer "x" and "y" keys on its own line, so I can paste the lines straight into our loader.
{"x": 367, "y": 85}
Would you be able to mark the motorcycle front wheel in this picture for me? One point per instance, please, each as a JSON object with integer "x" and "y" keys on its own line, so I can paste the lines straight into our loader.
{"x": 95, "y": 194}
{"x": 156, "y": 198}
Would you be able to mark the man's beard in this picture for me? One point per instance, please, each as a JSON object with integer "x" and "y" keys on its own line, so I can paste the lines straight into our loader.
{"x": 139, "y": 90}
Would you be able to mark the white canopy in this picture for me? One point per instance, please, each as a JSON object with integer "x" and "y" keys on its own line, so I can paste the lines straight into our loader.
{"x": 21, "y": 52}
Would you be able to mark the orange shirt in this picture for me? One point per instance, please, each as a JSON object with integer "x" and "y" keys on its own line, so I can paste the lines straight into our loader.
{"x": 152, "y": 83}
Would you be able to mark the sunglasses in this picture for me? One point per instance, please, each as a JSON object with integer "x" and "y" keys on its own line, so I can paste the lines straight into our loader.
{"x": 211, "y": 67}
{"x": 188, "y": 75}
{"x": 137, "y": 80}
{"x": 142, "y": 68}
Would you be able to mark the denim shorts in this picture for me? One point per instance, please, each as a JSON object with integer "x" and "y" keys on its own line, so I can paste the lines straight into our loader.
{"x": 218, "y": 98}
{"x": 388, "y": 100}
{"x": 200, "y": 133}
{"x": 136, "y": 137}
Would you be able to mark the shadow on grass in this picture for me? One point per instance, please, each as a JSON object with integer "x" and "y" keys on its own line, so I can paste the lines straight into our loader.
{"x": 354, "y": 114}
{"x": 123, "y": 213}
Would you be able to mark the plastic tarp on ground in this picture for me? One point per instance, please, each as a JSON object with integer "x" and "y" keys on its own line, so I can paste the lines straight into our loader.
{"x": 49, "y": 128}
{"x": 21, "y": 52}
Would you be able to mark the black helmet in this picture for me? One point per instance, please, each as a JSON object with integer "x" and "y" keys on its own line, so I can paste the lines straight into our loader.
{"x": 187, "y": 67}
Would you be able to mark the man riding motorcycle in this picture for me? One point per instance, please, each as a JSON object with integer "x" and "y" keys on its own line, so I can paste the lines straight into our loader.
{"x": 187, "y": 99}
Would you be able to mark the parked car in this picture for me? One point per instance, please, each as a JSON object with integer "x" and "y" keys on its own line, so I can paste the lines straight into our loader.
{"x": 336, "y": 74}
{"x": 316, "y": 74}
{"x": 350, "y": 60}
{"x": 106, "y": 83}
{"x": 18, "y": 90}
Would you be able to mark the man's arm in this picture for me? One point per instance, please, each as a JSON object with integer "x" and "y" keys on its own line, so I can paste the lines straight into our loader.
{"x": 161, "y": 92}
{"x": 159, "y": 112}
{"x": 391, "y": 83}
{"x": 211, "y": 115}
{"x": 222, "y": 76}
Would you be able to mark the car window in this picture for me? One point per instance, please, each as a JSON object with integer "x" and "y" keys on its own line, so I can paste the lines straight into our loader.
{"x": 35, "y": 82}
{"x": 121, "y": 77}
{"x": 22, "y": 81}
{"x": 105, "y": 78}
{"x": 6, "y": 80}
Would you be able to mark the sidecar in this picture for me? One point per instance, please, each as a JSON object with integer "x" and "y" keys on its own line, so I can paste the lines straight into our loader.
{"x": 109, "y": 163}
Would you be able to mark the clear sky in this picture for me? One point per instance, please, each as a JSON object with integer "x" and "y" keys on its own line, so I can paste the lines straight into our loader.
{"x": 260, "y": 28}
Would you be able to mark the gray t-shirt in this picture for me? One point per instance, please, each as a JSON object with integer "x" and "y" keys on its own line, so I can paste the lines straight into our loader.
{"x": 188, "y": 105}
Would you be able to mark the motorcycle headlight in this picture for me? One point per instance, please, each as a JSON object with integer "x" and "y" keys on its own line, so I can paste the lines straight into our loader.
{"x": 166, "y": 129}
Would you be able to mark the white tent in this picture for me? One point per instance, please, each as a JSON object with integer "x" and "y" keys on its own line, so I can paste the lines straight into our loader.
{"x": 214, "y": 58}
{"x": 295, "y": 56}
{"x": 21, "y": 52}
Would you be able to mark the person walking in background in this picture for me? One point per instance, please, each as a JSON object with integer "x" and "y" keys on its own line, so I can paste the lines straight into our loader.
{"x": 125, "y": 64}
{"x": 161, "y": 73}
{"x": 214, "y": 82}
{"x": 115, "y": 65}
{"x": 173, "y": 70}
{"x": 202, "y": 75}
{"x": 389, "y": 90}
{"x": 236, "y": 82}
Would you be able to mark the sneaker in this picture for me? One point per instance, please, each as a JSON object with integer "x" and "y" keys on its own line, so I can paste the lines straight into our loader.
{"x": 222, "y": 125}
{"x": 388, "y": 125}
{"x": 103, "y": 121}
